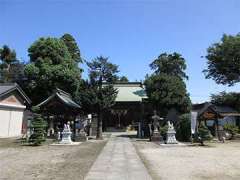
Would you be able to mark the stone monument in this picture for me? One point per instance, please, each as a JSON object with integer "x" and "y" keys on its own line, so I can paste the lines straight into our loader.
{"x": 66, "y": 135}
{"x": 156, "y": 135}
{"x": 171, "y": 139}
{"x": 80, "y": 130}
{"x": 81, "y": 135}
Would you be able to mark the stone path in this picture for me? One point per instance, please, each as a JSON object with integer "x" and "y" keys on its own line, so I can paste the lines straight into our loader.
{"x": 118, "y": 161}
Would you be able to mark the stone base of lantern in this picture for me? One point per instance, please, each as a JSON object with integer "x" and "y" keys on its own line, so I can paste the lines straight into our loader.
{"x": 171, "y": 139}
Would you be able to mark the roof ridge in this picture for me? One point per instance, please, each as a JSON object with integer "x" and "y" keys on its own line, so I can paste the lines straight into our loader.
{"x": 63, "y": 92}
{"x": 11, "y": 87}
{"x": 8, "y": 84}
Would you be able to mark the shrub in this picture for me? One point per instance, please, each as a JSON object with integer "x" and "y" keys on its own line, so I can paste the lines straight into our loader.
{"x": 233, "y": 129}
{"x": 163, "y": 130}
{"x": 204, "y": 132}
{"x": 38, "y": 125}
{"x": 183, "y": 129}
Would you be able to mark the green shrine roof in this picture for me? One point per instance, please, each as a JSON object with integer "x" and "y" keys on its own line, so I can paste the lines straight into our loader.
{"x": 130, "y": 92}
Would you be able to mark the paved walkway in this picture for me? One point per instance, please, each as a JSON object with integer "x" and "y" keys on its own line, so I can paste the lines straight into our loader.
{"x": 118, "y": 161}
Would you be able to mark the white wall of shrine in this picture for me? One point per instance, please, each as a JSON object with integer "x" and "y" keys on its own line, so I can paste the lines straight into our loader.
{"x": 11, "y": 117}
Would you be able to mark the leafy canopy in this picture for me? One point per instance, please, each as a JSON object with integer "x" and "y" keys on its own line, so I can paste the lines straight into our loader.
{"x": 166, "y": 88}
{"x": 7, "y": 55}
{"x": 231, "y": 99}
{"x": 51, "y": 51}
{"x": 170, "y": 64}
{"x": 11, "y": 69}
{"x": 99, "y": 92}
{"x": 101, "y": 70}
{"x": 51, "y": 66}
{"x": 224, "y": 60}
{"x": 167, "y": 92}
{"x": 72, "y": 47}
{"x": 123, "y": 79}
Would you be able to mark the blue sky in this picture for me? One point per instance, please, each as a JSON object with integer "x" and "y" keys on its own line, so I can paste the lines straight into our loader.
{"x": 130, "y": 32}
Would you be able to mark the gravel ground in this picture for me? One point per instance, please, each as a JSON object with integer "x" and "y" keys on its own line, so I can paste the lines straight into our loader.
{"x": 47, "y": 162}
{"x": 216, "y": 161}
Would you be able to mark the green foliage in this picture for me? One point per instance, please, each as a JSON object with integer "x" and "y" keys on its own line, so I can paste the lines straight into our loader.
{"x": 231, "y": 99}
{"x": 167, "y": 92}
{"x": 183, "y": 128}
{"x": 233, "y": 129}
{"x": 72, "y": 47}
{"x": 224, "y": 60}
{"x": 7, "y": 55}
{"x": 35, "y": 109}
{"x": 98, "y": 94}
{"x": 49, "y": 51}
{"x": 163, "y": 130}
{"x": 170, "y": 64}
{"x": 50, "y": 67}
{"x": 123, "y": 79}
{"x": 101, "y": 70}
{"x": 39, "y": 126}
{"x": 11, "y": 69}
{"x": 166, "y": 88}
{"x": 204, "y": 132}
{"x": 86, "y": 97}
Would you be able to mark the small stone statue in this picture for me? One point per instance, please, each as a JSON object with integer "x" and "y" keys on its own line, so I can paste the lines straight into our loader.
{"x": 156, "y": 136}
{"x": 171, "y": 139}
{"x": 156, "y": 119}
{"x": 66, "y": 134}
{"x": 170, "y": 126}
{"x": 67, "y": 126}
{"x": 59, "y": 136}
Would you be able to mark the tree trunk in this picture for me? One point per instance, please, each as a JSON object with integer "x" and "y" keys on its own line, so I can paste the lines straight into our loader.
{"x": 99, "y": 126}
{"x": 100, "y": 111}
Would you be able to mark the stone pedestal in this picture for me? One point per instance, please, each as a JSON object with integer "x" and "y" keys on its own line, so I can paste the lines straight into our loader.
{"x": 171, "y": 139}
{"x": 81, "y": 136}
{"x": 156, "y": 137}
{"x": 66, "y": 137}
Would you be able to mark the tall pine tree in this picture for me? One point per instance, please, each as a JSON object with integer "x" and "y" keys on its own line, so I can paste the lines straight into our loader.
{"x": 11, "y": 69}
{"x": 98, "y": 93}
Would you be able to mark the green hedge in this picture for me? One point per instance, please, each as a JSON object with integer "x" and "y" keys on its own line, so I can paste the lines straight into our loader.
{"x": 183, "y": 128}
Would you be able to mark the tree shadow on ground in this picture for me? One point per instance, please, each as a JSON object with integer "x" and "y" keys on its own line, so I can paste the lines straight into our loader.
{"x": 10, "y": 142}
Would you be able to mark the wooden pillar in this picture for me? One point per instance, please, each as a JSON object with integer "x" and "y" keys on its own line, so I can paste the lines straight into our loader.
{"x": 74, "y": 126}
{"x": 217, "y": 128}
{"x": 142, "y": 120}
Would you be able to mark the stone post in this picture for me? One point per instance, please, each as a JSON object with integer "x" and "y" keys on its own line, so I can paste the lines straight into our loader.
{"x": 94, "y": 125}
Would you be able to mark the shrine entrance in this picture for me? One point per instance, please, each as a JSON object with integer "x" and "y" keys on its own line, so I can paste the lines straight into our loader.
{"x": 123, "y": 114}
{"x": 129, "y": 107}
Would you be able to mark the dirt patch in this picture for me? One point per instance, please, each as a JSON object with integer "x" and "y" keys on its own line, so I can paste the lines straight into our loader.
{"x": 215, "y": 161}
{"x": 47, "y": 162}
